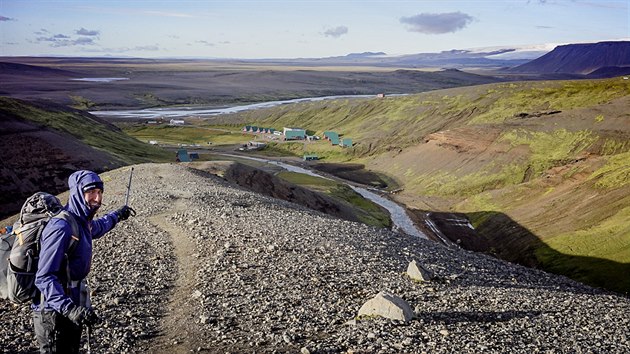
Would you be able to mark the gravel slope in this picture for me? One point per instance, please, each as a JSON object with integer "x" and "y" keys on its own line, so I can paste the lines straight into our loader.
{"x": 208, "y": 267}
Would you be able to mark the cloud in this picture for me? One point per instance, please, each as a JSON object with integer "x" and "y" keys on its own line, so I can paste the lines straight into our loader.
{"x": 336, "y": 32}
{"x": 437, "y": 23}
{"x": 61, "y": 40}
{"x": 206, "y": 43}
{"x": 3, "y": 19}
{"x": 74, "y": 42}
{"x": 85, "y": 32}
{"x": 146, "y": 48}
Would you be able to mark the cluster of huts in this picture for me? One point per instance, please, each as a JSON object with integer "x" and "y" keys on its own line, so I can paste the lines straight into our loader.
{"x": 299, "y": 134}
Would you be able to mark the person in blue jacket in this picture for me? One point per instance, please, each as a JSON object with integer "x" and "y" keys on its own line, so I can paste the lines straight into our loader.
{"x": 64, "y": 307}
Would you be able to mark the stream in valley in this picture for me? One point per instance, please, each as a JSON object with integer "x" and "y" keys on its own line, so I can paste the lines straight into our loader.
{"x": 402, "y": 222}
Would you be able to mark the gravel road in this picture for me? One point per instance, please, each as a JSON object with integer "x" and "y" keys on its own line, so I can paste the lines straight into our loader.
{"x": 207, "y": 267}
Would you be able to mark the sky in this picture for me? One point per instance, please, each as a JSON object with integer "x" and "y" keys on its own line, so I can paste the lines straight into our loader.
{"x": 256, "y": 29}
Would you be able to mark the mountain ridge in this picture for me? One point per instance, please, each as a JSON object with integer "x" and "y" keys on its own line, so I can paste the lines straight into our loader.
{"x": 582, "y": 58}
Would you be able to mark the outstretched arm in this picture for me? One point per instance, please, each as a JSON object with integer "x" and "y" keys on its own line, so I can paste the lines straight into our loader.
{"x": 103, "y": 225}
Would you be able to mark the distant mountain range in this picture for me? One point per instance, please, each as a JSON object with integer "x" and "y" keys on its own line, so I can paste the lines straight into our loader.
{"x": 603, "y": 59}
{"x": 571, "y": 61}
{"x": 451, "y": 59}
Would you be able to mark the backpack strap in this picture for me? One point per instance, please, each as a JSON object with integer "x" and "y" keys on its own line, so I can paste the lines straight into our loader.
{"x": 76, "y": 233}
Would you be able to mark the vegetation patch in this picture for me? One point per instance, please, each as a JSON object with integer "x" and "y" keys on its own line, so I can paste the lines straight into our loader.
{"x": 373, "y": 214}
{"x": 615, "y": 173}
{"x": 443, "y": 183}
{"x": 549, "y": 149}
{"x": 513, "y": 98}
{"x": 306, "y": 180}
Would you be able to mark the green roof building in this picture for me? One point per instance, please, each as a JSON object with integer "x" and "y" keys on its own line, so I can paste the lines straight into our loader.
{"x": 294, "y": 134}
{"x": 182, "y": 155}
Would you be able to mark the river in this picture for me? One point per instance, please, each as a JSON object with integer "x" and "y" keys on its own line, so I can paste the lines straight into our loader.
{"x": 402, "y": 222}
{"x": 204, "y": 111}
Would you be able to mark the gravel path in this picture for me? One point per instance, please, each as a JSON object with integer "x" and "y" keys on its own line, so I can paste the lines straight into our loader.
{"x": 206, "y": 267}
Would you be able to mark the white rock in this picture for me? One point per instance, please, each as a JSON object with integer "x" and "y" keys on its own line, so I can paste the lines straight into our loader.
{"x": 388, "y": 306}
{"x": 418, "y": 272}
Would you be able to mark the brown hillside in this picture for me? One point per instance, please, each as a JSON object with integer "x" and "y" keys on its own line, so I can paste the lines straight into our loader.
{"x": 37, "y": 158}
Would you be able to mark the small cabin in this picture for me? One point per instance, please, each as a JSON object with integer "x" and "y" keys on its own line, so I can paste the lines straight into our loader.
{"x": 182, "y": 156}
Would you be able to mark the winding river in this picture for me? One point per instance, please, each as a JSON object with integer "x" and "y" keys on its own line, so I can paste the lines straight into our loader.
{"x": 402, "y": 222}
{"x": 200, "y": 111}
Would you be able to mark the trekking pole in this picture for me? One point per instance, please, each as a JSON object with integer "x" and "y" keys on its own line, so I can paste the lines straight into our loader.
{"x": 132, "y": 212}
{"x": 89, "y": 339}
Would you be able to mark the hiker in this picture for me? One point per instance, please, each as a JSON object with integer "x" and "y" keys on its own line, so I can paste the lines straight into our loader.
{"x": 64, "y": 306}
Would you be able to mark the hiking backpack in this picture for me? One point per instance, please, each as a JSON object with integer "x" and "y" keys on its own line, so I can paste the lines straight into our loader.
{"x": 22, "y": 262}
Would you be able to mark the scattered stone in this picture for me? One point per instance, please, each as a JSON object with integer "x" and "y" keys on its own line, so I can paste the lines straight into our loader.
{"x": 388, "y": 306}
{"x": 418, "y": 272}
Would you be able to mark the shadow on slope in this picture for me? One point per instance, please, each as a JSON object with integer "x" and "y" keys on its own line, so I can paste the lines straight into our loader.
{"x": 339, "y": 204}
{"x": 497, "y": 234}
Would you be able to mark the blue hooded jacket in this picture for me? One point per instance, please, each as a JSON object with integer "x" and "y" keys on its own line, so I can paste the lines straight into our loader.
{"x": 55, "y": 240}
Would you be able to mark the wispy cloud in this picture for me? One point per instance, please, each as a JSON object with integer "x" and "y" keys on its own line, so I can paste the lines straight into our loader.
{"x": 206, "y": 43}
{"x": 336, "y": 32}
{"x": 59, "y": 42}
{"x": 3, "y": 19}
{"x": 86, "y": 32}
{"x": 143, "y": 48}
{"x": 437, "y": 23}
{"x": 146, "y": 48}
{"x": 86, "y": 38}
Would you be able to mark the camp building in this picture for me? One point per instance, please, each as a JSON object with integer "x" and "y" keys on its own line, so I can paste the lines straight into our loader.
{"x": 331, "y": 136}
{"x": 182, "y": 155}
{"x": 347, "y": 142}
{"x": 294, "y": 134}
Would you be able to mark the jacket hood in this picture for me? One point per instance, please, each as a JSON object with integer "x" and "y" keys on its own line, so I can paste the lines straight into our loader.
{"x": 78, "y": 182}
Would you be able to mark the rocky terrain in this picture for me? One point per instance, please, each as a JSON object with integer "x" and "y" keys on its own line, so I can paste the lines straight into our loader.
{"x": 208, "y": 267}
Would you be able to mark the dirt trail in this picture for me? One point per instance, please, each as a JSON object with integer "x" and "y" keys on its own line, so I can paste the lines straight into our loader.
{"x": 177, "y": 326}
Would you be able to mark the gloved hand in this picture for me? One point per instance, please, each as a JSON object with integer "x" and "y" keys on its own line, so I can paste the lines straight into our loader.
{"x": 82, "y": 315}
{"x": 124, "y": 213}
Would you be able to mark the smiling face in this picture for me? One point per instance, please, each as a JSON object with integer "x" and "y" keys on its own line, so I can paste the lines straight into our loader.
{"x": 93, "y": 198}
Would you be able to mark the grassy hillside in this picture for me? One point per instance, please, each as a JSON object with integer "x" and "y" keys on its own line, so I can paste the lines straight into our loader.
{"x": 84, "y": 127}
{"x": 44, "y": 143}
{"x": 552, "y": 157}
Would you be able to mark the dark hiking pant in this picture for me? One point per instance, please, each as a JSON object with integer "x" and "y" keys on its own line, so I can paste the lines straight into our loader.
{"x": 56, "y": 333}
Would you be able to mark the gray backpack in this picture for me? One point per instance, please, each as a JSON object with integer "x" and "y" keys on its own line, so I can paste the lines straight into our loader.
{"x": 22, "y": 261}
